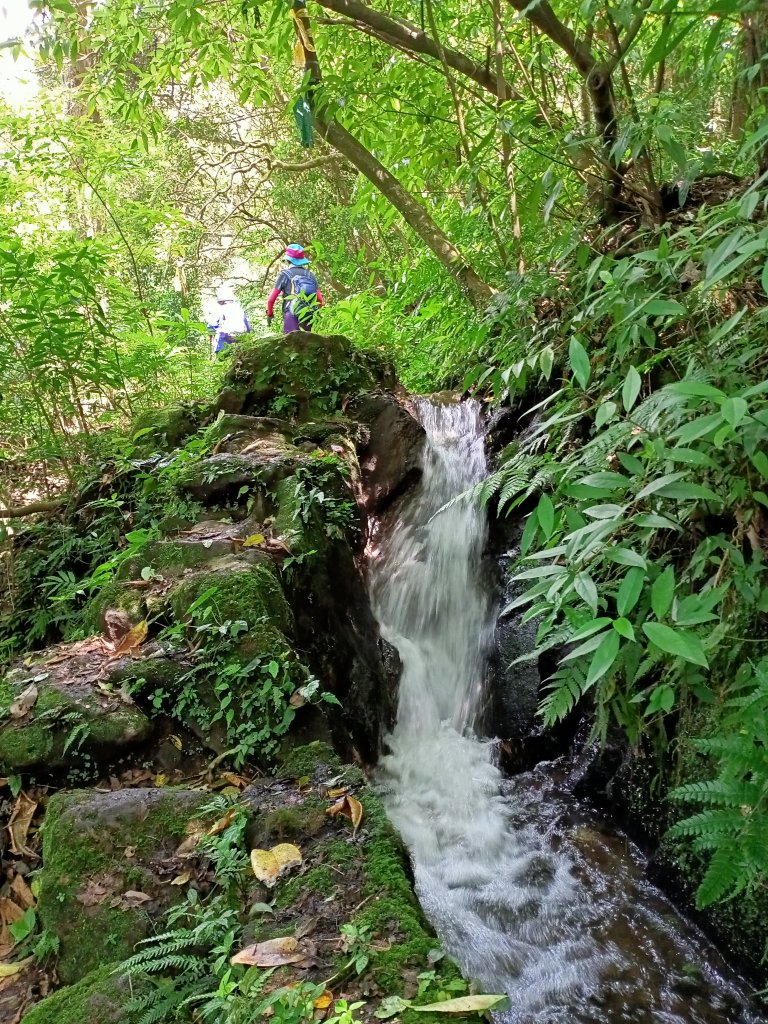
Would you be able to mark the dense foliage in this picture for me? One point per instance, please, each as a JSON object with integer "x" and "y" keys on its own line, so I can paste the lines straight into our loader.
{"x": 561, "y": 207}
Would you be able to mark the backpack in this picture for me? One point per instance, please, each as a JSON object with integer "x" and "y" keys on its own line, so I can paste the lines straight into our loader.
{"x": 303, "y": 302}
{"x": 232, "y": 319}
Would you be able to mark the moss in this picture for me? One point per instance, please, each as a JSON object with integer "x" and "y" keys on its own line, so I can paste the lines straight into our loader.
{"x": 88, "y": 844}
{"x": 99, "y": 998}
{"x": 340, "y": 853}
{"x": 24, "y": 747}
{"x": 114, "y": 595}
{"x": 320, "y": 880}
{"x": 294, "y": 822}
{"x": 304, "y": 761}
{"x": 163, "y": 428}
{"x": 241, "y": 592}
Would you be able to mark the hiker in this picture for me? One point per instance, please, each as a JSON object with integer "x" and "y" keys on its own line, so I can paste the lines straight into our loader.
{"x": 231, "y": 321}
{"x": 301, "y": 295}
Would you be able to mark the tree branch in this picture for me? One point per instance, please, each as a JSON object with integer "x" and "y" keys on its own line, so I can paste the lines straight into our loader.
{"x": 17, "y": 511}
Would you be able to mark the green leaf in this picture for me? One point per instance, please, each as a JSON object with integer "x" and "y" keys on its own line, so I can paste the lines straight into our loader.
{"x": 607, "y": 511}
{"x": 760, "y": 461}
{"x": 626, "y": 556}
{"x": 683, "y": 491}
{"x": 678, "y": 642}
{"x": 696, "y": 389}
{"x": 605, "y": 413}
{"x": 603, "y": 658}
{"x": 632, "y": 384}
{"x": 764, "y": 278}
{"x": 624, "y": 628}
{"x": 585, "y": 587}
{"x": 659, "y": 483}
{"x": 662, "y": 699}
{"x": 545, "y": 511}
{"x": 579, "y": 360}
{"x": 605, "y": 481}
{"x": 734, "y": 410}
{"x": 663, "y": 592}
{"x": 629, "y": 591}
{"x": 663, "y": 307}
{"x": 24, "y": 926}
{"x": 590, "y": 628}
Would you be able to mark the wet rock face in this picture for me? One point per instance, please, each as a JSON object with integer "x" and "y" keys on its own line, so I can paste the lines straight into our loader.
{"x": 108, "y": 859}
{"x": 391, "y": 459}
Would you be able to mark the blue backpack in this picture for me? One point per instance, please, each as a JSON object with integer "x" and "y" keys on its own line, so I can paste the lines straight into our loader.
{"x": 303, "y": 301}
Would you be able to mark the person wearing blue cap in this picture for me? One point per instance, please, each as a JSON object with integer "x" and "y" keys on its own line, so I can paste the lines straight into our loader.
{"x": 300, "y": 291}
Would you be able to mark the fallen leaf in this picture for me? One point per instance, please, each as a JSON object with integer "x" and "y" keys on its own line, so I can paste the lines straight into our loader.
{"x": 18, "y": 827}
{"x": 161, "y": 779}
{"x": 297, "y": 699}
{"x": 10, "y": 913}
{"x": 22, "y": 892}
{"x": 129, "y": 852}
{"x": 269, "y": 865}
{"x": 307, "y": 927}
{"x": 254, "y": 540}
{"x": 235, "y": 780}
{"x": 132, "y": 899}
{"x": 223, "y": 822}
{"x": 464, "y": 1004}
{"x": 132, "y": 640}
{"x": 24, "y": 702}
{"x": 194, "y": 833}
{"x": 324, "y": 1001}
{"x": 6, "y": 970}
{"x": 336, "y": 792}
{"x": 181, "y": 879}
{"x": 349, "y": 807}
{"x": 93, "y": 895}
{"x": 272, "y": 953}
{"x": 176, "y": 741}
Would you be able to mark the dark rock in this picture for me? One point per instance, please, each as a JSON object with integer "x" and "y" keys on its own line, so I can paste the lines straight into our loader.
{"x": 391, "y": 460}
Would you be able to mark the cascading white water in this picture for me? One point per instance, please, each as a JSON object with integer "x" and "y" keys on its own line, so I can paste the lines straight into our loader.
{"x": 519, "y": 910}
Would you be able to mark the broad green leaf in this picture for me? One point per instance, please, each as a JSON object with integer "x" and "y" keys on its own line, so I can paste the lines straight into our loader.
{"x": 760, "y": 462}
{"x": 653, "y": 521}
{"x": 538, "y": 571}
{"x": 659, "y": 483}
{"x": 662, "y": 699}
{"x": 590, "y": 628}
{"x": 624, "y": 628}
{"x": 698, "y": 428}
{"x": 683, "y": 491}
{"x": 678, "y": 642}
{"x": 632, "y": 384}
{"x": 629, "y": 591}
{"x": 585, "y": 587}
{"x": 545, "y": 511}
{"x": 734, "y": 410}
{"x": 626, "y": 556}
{"x": 662, "y": 307}
{"x": 607, "y": 511}
{"x": 606, "y": 480}
{"x": 662, "y": 592}
{"x": 605, "y": 413}
{"x": 696, "y": 389}
{"x": 604, "y": 657}
{"x": 579, "y": 360}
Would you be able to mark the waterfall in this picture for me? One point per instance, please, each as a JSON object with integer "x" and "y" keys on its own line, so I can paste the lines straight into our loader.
{"x": 511, "y": 899}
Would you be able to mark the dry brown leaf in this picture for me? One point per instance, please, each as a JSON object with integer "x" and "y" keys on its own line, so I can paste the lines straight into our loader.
{"x": 18, "y": 827}
{"x": 336, "y": 792}
{"x": 349, "y": 807}
{"x": 272, "y": 953}
{"x": 131, "y": 642}
{"x": 129, "y": 852}
{"x": 235, "y": 780}
{"x": 10, "y": 912}
{"x": 24, "y": 702}
{"x": 93, "y": 895}
{"x": 223, "y": 822}
{"x": 22, "y": 892}
{"x": 297, "y": 699}
{"x": 324, "y": 1001}
{"x": 132, "y": 899}
{"x": 194, "y": 833}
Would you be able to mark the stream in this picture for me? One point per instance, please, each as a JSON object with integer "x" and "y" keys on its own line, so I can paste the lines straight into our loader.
{"x": 527, "y": 889}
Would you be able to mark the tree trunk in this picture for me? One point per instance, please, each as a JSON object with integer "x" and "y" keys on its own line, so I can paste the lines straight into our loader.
{"x": 411, "y": 210}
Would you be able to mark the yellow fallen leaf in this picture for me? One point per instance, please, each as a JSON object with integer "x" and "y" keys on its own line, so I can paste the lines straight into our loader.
{"x": 336, "y": 792}
{"x": 176, "y": 741}
{"x": 349, "y": 807}
{"x": 272, "y": 953}
{"x": 224, "y": 822}
{"x": 324, "y": 1001}
{"x": 464, "y": 1004}
{"x": 195, "y": 831}
{"x": 269, "y": 865}
{"x": 161, "y": 779}
{"x": 181, "y": 879}
{"x": 7, "y": 970}
{"x": 254, "y": 540}
{"x": 132, "y": 640}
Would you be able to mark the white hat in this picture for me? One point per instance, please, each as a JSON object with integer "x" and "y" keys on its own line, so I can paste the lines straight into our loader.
{"x": 226, "y": 294}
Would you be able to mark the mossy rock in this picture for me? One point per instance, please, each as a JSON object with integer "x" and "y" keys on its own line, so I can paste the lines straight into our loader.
{"x": 242, "y": 591}
{"x": 98, "y": 998}
{"x": 72, "y": 716}
{"x": 164, "y": 429}
{"x": 97, "y": 847}
{"x": 305, "y": 375}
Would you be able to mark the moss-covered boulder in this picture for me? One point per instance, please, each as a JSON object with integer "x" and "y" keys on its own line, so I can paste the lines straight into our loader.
{"x": 100, "y": 997}
{"x": 108, "y": 860}
{"x": 164, "y": 429}
{"x": 64, "y": 706}
{"x": 301, "y": 375}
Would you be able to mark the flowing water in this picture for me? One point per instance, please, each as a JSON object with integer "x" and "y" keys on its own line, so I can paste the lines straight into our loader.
{"x": 529, "y": 894}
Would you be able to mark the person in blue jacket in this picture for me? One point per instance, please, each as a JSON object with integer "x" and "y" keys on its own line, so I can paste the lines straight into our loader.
{"x": 231, "y": 323}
